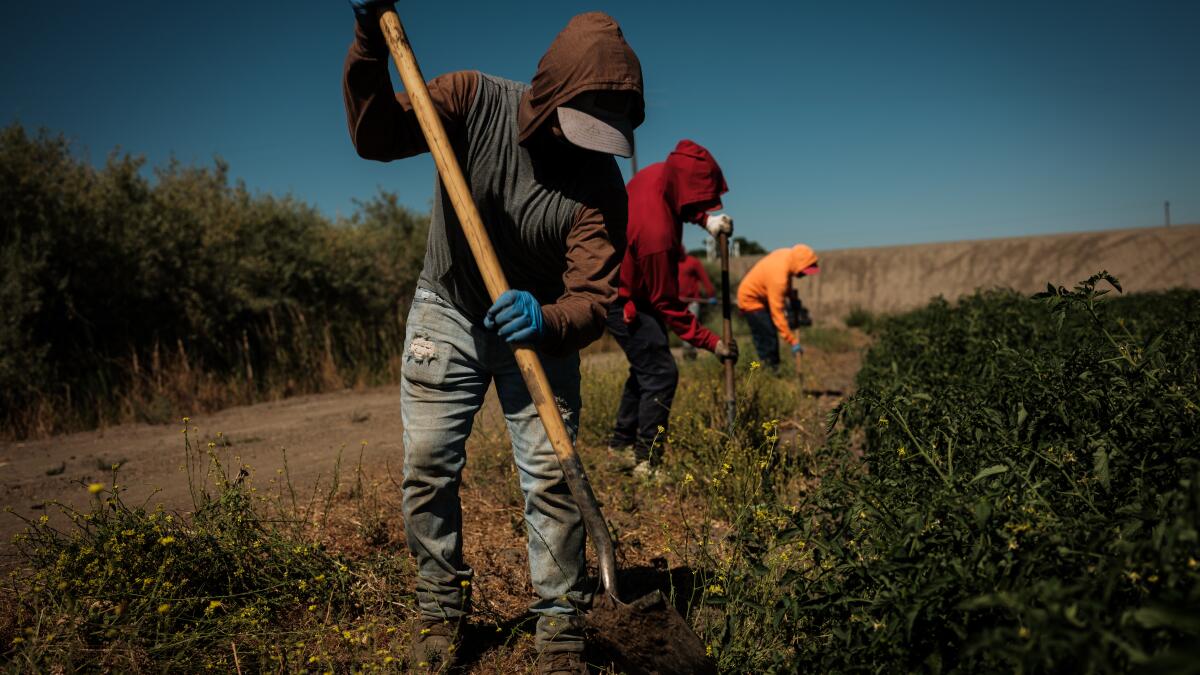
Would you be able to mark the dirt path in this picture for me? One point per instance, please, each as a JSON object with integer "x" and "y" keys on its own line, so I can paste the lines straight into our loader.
{"x": 311, "y": 428}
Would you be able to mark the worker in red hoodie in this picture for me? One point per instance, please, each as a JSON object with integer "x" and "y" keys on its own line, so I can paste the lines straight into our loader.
{"x": 696, "y": 289}
{"x": 662, "y": 197}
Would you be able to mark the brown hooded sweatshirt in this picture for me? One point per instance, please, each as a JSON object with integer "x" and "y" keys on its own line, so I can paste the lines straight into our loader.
{"x": 556, "y": 214}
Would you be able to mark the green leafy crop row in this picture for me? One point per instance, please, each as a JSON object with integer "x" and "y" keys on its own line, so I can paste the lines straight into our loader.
{"x": 1029, "y": 495}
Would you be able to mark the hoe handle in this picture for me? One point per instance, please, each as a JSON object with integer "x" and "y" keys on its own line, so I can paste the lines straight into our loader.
{"x": 727, "y": 331}
{"x": 798, "y": 357}
{"x": 493, "y": 278}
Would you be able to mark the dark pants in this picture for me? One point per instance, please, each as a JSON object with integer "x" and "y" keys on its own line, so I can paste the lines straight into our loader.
{"x": 765, "y": 336}
{"x": 650, "y": 389}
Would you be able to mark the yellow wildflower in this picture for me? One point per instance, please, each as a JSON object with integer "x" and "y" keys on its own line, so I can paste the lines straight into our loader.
{"x": 164, "y": 608}
{"x": 167, "y": 540}
{"x": 95, "y": 488}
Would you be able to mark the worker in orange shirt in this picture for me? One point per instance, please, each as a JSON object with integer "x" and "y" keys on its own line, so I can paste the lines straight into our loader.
{"x": 763, "y": 298}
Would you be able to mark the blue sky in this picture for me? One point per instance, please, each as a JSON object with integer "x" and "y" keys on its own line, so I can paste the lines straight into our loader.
{"x": 837, "y": 124}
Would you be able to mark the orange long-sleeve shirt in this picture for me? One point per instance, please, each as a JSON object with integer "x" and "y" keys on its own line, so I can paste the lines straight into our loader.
{"x": 766, "y": 285}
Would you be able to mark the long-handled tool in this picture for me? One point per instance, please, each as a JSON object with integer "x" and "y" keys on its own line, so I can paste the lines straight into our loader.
{"x": 647, "y": 635}
{"x": 727, "y": 332}
{"x": 798, "y": 355}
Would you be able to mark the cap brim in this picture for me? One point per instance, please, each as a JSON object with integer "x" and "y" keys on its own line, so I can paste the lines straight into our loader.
{"x": 811, "y": 270}
{"x": 612, "y": 135}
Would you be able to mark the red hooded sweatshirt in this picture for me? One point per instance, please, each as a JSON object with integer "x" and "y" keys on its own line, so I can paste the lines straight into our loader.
{"x": 693, "y": 276}
{"x": 688, "y": 184}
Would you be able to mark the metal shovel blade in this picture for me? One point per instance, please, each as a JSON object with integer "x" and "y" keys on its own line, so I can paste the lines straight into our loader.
{"x": 646, "y": 636}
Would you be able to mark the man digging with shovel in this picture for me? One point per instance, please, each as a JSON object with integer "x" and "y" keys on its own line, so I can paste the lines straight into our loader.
{"x": 539, "y": 162}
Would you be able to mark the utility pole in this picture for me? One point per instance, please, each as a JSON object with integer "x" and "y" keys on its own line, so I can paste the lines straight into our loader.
{"x": 1167, "y": 213}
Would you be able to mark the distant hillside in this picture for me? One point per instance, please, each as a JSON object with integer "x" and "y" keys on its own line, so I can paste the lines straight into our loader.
{"x": 891, "y": 278}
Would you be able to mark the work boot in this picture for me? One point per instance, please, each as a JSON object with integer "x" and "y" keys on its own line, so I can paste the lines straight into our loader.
{"x": 648, "y": 472}
{"x": 623, "y": 457}
{"x": 435, "y": 645}
{"x": 561, "y": 663}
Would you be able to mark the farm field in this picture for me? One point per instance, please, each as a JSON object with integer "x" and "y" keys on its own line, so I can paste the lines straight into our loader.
{"x": 636, "y": 339}
{"x": 1000, "y": 492}
{"x": 360, "y": 520}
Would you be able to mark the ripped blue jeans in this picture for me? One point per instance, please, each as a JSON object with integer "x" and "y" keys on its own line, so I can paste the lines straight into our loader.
{"x": 449, "y": 361}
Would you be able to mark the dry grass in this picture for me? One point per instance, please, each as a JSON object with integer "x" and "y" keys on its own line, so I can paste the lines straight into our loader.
{"x": 672, "y": 536}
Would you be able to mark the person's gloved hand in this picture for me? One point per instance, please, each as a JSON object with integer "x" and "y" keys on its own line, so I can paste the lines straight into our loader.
{"x": 365, "y": 9}
{"x": 726, "y": 351}
{"x": 518, "y": 316}
{"x": 719, "y": 224}
{"x": 797, "y": 348}
{"x": 711, "y": 301}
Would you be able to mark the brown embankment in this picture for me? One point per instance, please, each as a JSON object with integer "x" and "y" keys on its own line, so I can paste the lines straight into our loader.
{"x": 893, "y": 278}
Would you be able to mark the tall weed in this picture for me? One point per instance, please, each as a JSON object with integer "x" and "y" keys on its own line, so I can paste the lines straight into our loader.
{"x": 241, "y": 583}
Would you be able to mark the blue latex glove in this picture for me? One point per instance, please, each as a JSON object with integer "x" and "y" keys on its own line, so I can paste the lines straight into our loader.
{"x": 518, "y": 316}
{"x": 797, "y": 349}
{"x": 711, "y": 301}
{"x": 367, "y": 8}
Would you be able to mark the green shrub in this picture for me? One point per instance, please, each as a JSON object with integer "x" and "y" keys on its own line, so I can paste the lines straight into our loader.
{"x": 1031, "y": 493}
{"x": 131, "y": 298}
{"x": 862, "y": 319}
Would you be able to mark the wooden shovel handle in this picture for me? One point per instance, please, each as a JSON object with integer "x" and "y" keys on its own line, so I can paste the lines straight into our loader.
{"x": 727, "y": 332}
{"x": 493, "y": 277}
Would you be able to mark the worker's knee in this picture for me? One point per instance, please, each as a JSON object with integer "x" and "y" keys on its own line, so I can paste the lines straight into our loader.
{"x": 660, "y": 374}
